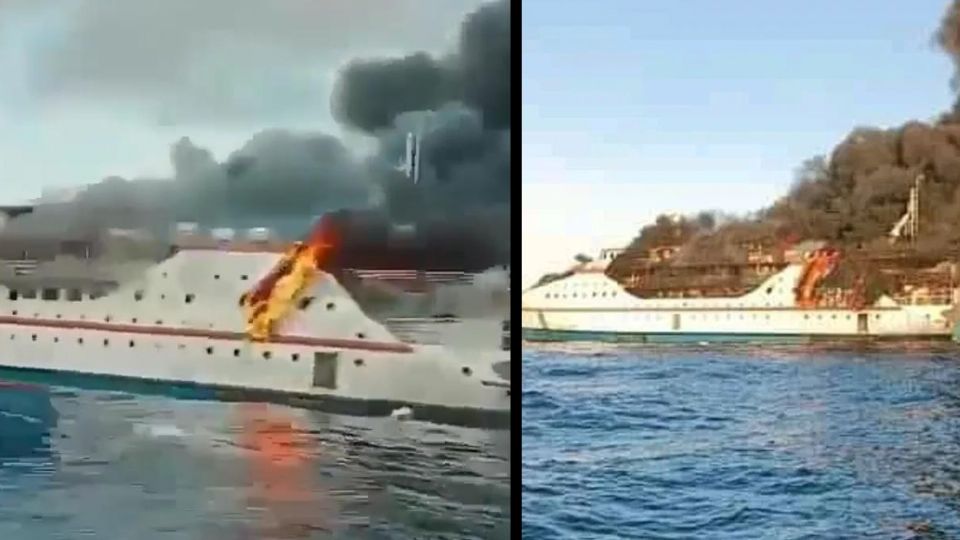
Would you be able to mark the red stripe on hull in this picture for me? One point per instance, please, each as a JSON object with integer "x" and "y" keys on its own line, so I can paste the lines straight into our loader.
{"x": 353, "y": 344}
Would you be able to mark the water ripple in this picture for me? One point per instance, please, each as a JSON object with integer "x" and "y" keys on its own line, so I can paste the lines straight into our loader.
{"x": 77, "y": 464}
{"x": 739, "y": 442}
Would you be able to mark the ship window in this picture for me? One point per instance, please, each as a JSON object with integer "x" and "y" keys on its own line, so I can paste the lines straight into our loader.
{"x": 305, "y": 302}
{"x": 236, "y": 352}
{"x": 594, "y": 294}
{"x": 189, "y": 298}
{"x": 138, "y": 296}
{"x": 33, "y": 337}
{"x": 769, "y": 290}
{"x": 266, "y": 355}
{"x": 295, "y": 357}
{"x": 50, "y": 294}
{"x": 243, "y": 277}
{"x": 877, "y": 316}
{"x": 158, "y": 321}
{"x": 12, "y": 294}
{"x": 56, "y": 339}
{"x": 132, "y": 344}
{"x": 30, "y": 293}
{"x": 330, "y": 306}
{"x": 106, "y": 342}
{"x": 209, "y": 350}
{"x": 80, "y": 340}
{"x": 805, "y": 316}
{"x": 216, "y": 276}
{"x": 134, "y": 320}
{"x": 108, "y": 318}
{"x": 74, "y": 295}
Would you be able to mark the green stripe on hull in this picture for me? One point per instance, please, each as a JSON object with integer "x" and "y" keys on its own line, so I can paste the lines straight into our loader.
{"x": 539, "y": 335}
{"x": 530, "y": 334}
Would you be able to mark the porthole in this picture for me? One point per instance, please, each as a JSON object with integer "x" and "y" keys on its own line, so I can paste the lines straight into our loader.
{"x": 358, "y": 361}
{"x": 56, "y": 339}
{"x": 163, "y": 296}
{"x": 107, "y": 318}
{"x": 243, "y": 277}
{"x": 188, "y": 298}
{"x": 236, "y": 352}
{"x": 466, "y": 371}
{"x": 80, "y": 340}
{"x": 158, "y": 321}
{"x": 33, "y": 337}
{"x": 132, "y": 344}
{"x": 138, "y": 296}
{"x": 216, "y": 276}
{"x": 106, "y": 342}
{"x": 305, "y": 302}
{"x": 59, "y": 316}
{"x": 209, "y": 350}
{"x": 134, "y": 320}
{"x": 295, "y": 357}
{"x": 331, "y": 306}
{"x": 361, "y": 335}
{"x": 14, "y": 313}
{"x": 266, "y": 355}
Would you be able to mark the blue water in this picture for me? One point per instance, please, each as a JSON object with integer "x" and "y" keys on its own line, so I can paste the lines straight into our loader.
{"x": 90, "y": 464}
{"x": 740, "y": 442}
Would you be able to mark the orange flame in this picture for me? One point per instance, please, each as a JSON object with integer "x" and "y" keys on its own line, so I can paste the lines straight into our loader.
{"x": 819, "y": 265}
{"x": 273, "y": 297}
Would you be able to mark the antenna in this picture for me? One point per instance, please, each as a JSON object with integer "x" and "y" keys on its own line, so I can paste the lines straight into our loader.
{"x": 410, "y": 166}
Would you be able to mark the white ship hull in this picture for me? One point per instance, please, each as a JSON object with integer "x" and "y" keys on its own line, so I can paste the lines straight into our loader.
{"x": 181, "y": 323}
{"x": 594, "y": 307}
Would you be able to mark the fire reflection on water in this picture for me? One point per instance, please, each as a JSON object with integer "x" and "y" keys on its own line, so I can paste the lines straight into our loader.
{"x": 280, "y": 486}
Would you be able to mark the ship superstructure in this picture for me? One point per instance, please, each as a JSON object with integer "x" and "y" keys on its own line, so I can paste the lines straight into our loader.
{"x": 761, "y": 287}
{"x": 243, "y": 313}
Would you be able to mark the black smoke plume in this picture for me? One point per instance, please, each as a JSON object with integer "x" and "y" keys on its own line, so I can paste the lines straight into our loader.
{"x": 852, "y": 197}
{"x": 458, "y": 103}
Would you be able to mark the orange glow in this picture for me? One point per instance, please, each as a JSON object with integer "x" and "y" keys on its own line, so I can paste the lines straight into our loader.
{"x": 819, "y": 265}
{"x": 274, "y": 297}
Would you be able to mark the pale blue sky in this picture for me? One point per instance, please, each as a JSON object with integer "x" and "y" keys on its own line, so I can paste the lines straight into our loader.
{"x": 634, "y": 107}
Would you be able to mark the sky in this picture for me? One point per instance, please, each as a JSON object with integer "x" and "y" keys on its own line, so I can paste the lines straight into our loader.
{"x": 97, "y": 88}
{"x": 634, "y": 108}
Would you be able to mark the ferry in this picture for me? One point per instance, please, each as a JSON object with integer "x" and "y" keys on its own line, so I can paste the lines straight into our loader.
{"x": 585, "y": 303}
{"x": 246, "y": 316}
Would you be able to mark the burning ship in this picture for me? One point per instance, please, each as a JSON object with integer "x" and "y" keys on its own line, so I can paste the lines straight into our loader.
{"x": 360, "y": 315}
{"x": 676, "y": 284}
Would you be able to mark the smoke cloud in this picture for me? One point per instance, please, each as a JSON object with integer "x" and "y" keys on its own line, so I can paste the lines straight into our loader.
{"x": 225, "y": 61}
{"x": 852, "y": 197}
{"x": 458, "y": 102}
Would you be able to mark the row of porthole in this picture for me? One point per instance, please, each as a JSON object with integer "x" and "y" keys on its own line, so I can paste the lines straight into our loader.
{"x": 574, "y": 295}
{"x": 132, "y": 343}
{"x": 108, "y": 318}
{"x": 243, "y": 277}
{"x": 267, "y": 355}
